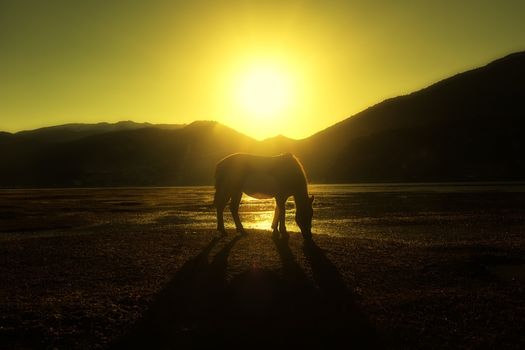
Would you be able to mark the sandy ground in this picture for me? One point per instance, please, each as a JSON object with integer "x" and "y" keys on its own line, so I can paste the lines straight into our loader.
{"x": 81, "y": 272}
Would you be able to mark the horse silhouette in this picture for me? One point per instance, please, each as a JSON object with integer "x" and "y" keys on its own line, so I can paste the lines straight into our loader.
{"x": 261, "y": 177}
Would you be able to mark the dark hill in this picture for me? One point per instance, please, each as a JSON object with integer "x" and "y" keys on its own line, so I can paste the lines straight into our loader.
{"x": 5, "y": 136}
{"x": 75, "y": 131}
{"x": 139, "y": 157}
{"x": 276, "y": 145}
{"x": 465, "y": 128}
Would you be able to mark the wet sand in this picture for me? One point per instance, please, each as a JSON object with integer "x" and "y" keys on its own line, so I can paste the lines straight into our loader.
{"x": 117, "y": 268}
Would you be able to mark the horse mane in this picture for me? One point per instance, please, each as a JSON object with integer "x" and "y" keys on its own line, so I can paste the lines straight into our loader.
{"x": 297, "y": 162}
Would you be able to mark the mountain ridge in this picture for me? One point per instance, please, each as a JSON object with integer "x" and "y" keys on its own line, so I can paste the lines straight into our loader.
{"x": 467, "y": 127}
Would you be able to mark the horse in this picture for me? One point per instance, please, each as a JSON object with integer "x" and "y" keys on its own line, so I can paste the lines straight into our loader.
{"x": 262, "y": 177}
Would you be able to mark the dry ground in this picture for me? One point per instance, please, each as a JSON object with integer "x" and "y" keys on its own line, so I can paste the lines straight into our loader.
{"x": 81, "y": 272}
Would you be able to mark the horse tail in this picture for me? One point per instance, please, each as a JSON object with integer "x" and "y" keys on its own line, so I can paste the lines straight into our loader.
{"x": 219, "y": 182}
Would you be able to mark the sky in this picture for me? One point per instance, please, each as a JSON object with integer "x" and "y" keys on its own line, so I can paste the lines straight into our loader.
{"x": 261, "y": 67}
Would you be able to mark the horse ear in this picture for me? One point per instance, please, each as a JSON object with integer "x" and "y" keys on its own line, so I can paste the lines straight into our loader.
{"x": 311, "y": 199}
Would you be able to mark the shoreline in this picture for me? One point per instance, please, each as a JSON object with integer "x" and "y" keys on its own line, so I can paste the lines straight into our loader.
{"x": 353, "y": 184}
{"x": 98, "y": 266}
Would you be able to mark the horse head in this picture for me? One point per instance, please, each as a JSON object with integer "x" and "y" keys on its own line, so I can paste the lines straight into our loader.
{"x": 303, "y": 217}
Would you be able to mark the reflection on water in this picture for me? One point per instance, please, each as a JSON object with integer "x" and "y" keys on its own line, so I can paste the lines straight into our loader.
{"x": 391, "y": 209}
{"x": 196, "y": 205}
{"x": 340, "y": 209}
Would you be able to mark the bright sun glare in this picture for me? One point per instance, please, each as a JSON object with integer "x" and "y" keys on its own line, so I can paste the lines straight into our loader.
{"x": 263, "y": 92}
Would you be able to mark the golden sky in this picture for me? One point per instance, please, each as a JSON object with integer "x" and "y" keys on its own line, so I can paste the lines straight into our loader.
{"x": 261, "y": 67}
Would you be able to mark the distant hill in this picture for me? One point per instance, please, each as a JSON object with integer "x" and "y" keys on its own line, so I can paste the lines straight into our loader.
{"x": 134, "y": 157}
{"x": 4, "y": 136}
{"x": 465, "y": 128}
{"x": 75, "y": 131}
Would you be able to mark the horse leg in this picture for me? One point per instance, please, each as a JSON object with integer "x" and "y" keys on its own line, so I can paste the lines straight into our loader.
{"x": 275, "y": 221}
{"x": 220, "y": 201}
{"x": 281, "y": 207}
{"x": 234, "y": 208}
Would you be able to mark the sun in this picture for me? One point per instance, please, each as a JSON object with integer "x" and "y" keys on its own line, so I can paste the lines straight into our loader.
{"x": 264, "y": 94}
{"x": 264, "y": 91}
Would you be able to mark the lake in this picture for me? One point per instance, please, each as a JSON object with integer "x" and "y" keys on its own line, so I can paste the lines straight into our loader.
{"x": 402, "y": 210}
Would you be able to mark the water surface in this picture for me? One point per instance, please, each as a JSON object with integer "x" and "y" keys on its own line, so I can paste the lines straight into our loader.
{"x": 370, "y": 209}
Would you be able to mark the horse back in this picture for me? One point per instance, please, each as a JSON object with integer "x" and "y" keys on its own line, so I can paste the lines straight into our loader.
{"x": 259, "y": 175}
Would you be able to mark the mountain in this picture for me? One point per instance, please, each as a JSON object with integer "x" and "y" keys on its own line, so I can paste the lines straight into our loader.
{"x": 75, "y": 131}
{"x": 5, "y": 136}
{"x": 146, "y": 156}
{"x": 468, "y": 127}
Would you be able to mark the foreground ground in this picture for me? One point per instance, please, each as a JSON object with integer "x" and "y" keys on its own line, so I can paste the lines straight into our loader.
{"x": 93, "y": 270}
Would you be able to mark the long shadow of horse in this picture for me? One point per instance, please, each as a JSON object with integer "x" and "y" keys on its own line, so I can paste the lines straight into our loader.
{"x": 325, "y": 312}
{"x": 182, "y": 309}
{"x": 257, "y": 308}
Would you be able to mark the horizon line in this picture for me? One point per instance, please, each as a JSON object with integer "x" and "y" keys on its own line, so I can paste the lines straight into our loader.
{"x": 184, "y": 124}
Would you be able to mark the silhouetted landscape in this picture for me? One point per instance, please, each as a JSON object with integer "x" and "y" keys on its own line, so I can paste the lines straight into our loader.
{"x": 201, "y": 174}
{"x": 403, "y": 267}
{"x": 465, "y": 128}
{"x": 108, "y": 231}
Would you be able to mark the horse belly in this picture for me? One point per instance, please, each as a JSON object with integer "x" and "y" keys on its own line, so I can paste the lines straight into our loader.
{"x": 260, "y": 186}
